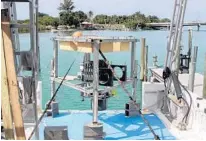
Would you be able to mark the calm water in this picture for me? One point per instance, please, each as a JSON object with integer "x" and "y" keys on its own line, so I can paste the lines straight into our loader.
{"x": 71, "y": 99}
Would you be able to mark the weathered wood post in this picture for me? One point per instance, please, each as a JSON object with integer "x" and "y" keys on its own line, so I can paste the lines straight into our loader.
{"x": 11, "y": 76}
{"x": 192, "y": 70}
{"x": 142, "y": 59}
{"x": 5, "y": 100}
{"x": 204, "y": 85}
{"x": 146, "y": 64}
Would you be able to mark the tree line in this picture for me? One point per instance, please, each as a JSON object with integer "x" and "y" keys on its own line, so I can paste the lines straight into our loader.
{"x": 68, "y": 16}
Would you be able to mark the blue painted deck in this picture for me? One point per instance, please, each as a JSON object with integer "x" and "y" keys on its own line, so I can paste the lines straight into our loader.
{"x": 116, "y": 126}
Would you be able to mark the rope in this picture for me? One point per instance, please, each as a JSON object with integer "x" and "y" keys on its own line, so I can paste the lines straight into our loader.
{"x": 48, "y": 105}
{"x": 156, "y": 137}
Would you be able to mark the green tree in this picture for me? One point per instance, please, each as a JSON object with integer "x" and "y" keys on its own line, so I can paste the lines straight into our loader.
{"x": 164, "y": 20}
{"x": 67, "y": 6}
{"x": 90, "y": 15}
{"x": 42, "y": 14}
{"x": 153, "y": 19}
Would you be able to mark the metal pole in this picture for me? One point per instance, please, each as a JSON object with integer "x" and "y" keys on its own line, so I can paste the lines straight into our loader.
{"x": 37, "y": 33}
{"x": 134, "y": 85}
{"x": 171, "y": 34}
{"x": 192, "y": 70}
{"x": 55, "y": 58}
{"x": 35, "y": 68}
{"x": 54, "y": 67}
{"x": 52, "y": 78}
{"x": 133, "y": 56}
{"x": 142, "y": 58}
{"x": 204, "y": 85}
{"x": 96, "y": 46}
{"x": 133, "y": 69}
{"x": 189, "y": 42}
{"x": 146, "y": 64}
{"x": 155, "y": 61}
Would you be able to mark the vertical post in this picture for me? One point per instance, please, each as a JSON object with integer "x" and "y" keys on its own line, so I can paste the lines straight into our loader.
{"x": 5, "y": 101}
{"x": 11, "y": 76}
{"x": 146, "y": 64}
{"x": 55, "y": 58}
{"x": 192, "y": 70}
{"x": 52, "y": 78}
{"x": 134, "y": 85}
{"x": 95, "y": 46}
{"x": 133, "y": 56}
{"x": 142, "y": 59}
{"x": 204, "y": 85}
{"x": 177, "y": 67}
{"x": 35, "y": 69}
{"x": 189, "y": 42}
{"x": 37, "y": 33}
{"x": 155, "y": 61}
{"x": 54, "y": 66}
{"x": 133, "y": 69}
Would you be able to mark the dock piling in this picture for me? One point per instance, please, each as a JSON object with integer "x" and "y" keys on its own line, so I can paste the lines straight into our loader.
{"x": 192, "y": 70}
{"x": 189, "y": 42}
{"x": 204, "y": 84}
{"x": 143, "y": 42}
{"x": 146, "y": 64}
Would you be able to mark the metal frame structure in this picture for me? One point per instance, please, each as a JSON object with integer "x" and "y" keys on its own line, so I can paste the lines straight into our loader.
{"x": 34, "y": 45}
{"x": 95, "y": 89}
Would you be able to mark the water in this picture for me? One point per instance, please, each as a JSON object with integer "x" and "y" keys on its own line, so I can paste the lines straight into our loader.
{"x": 71, "y": 99}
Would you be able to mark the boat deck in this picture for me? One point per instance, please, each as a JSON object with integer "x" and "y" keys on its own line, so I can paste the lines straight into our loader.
{"x": 184, "y": 79}
{"x": 116, "y": 125}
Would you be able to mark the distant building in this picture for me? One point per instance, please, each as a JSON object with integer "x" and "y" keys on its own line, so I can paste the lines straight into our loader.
{"x": 86, "y": 25}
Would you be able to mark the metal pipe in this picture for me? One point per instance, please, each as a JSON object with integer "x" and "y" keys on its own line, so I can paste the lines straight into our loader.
{"x": 55, "y": 48}
{"x": 189, "y": 42}
{"x": 177, "y": 43}
{"x": 146, "y": 64}
{"x": 34, "y": 69}
{"x": 170, "y": 34}
{"x": 133, "y": 53}
{"x": 142, "y": 58}
{"x": 96, "y": 46}
{"x": 192, "y": 70}
{"x": 134, "y": 85}
{"x": 133, "y": 57}
{"x": 52, "y": 78}
{"x": 37, "y": 33}
{"x": 204, "y": 85}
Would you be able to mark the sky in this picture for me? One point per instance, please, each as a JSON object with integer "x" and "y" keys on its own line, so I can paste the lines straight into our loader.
{"x": 196, "y": 9}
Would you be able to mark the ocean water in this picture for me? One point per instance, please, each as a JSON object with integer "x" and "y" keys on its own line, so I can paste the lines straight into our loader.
{"x": 70, "y": 99}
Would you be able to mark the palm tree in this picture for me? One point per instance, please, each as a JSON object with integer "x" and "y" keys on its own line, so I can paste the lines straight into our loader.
{"x": 90, "y": 15}
{"x": 67, "y": 6}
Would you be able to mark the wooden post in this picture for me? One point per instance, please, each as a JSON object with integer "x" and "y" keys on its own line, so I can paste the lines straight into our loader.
{"x": 204, "y": 85}
{"x": 142, "y": 59}
{"x": 146, "y": 64}
{"x": 11, "y": 74}
{"x": 5, "y": 102}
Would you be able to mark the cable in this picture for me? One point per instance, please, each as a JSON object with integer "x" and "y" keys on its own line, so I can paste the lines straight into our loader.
{"x": 156, "y": 137}
{"x": 189, "y": 107}
{"x": 48, "y": 105}
{"x": 166, "y": 76}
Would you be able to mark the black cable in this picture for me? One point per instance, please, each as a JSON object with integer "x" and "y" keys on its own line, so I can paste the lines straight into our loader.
{"x": 189, "y": 108}
{"x": 156, "y": 137}
{"x": 48, "y": 105}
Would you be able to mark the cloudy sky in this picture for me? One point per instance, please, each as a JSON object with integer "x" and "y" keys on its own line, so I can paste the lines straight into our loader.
{"x": 196, "y": 9}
